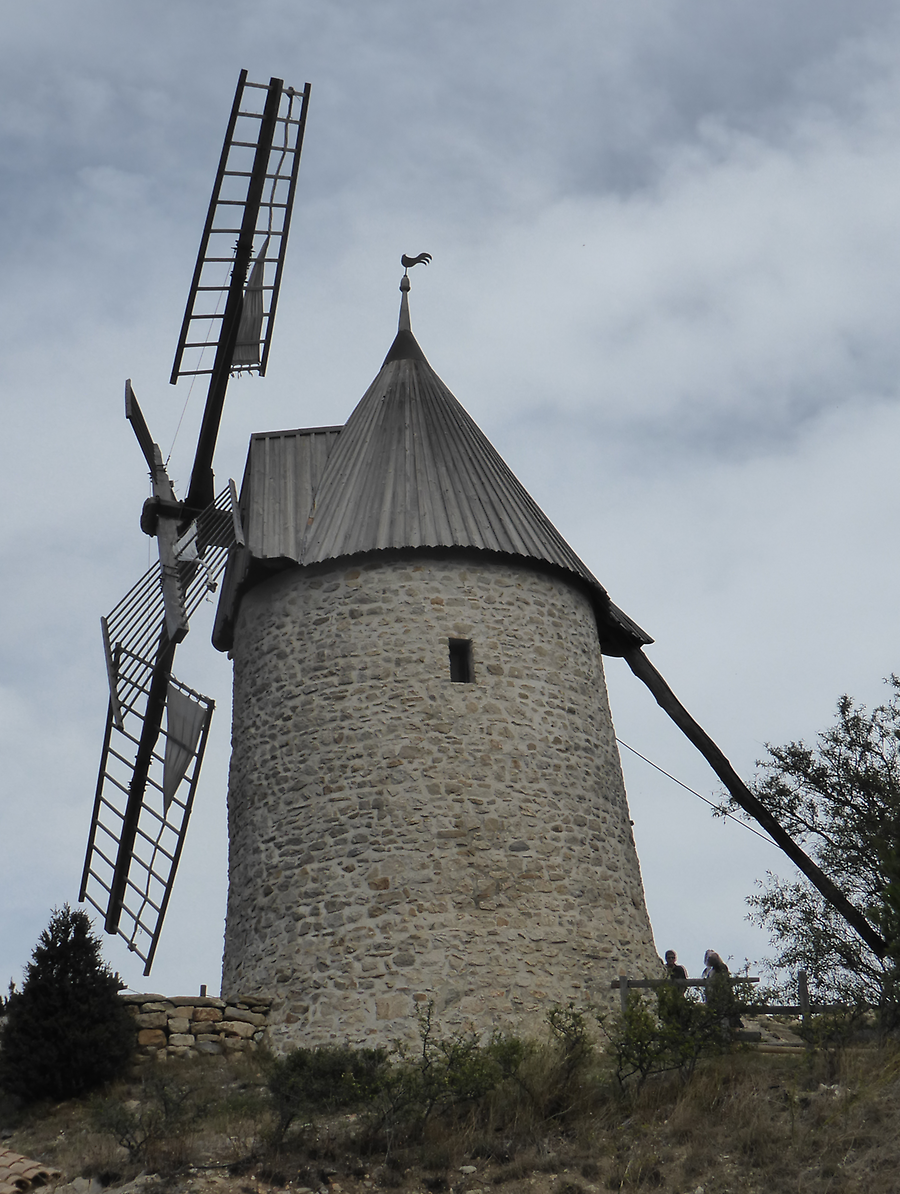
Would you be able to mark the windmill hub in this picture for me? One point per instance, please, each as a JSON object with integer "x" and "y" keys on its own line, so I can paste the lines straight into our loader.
{"x": 154, "y": 509}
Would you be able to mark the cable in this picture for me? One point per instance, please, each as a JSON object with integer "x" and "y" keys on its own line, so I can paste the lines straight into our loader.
{"x": 729, "y": 816}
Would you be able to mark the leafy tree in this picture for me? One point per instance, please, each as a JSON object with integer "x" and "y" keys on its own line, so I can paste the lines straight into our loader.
{"x": 66, "y": 1032}
{"x": 841, "y": 800}
{"x": 674, "y": 1035}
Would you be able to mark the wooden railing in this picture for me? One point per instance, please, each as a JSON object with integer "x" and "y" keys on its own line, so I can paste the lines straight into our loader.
{"x": 803, "y": 1008}
{"x": 626, "y": 984}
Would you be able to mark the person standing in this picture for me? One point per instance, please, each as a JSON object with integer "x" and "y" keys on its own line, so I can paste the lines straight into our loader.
{"x": 675, "y": 972}
{"x": 719, "y": 993}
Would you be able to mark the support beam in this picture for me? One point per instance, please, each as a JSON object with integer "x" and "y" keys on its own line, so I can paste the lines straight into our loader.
{"x": 666, "y": 699}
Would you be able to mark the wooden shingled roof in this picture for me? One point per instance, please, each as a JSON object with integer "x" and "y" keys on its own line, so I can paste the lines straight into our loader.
{"x": 410, "y": 470}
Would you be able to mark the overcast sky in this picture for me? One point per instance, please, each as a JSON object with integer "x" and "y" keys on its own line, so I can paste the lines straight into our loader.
{"x": 666, "y": 284}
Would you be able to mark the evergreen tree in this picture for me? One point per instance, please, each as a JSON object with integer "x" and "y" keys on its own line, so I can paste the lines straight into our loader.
{"x": 67, "y": 1031}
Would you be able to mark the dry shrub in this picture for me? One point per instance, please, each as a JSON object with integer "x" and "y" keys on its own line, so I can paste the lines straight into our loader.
{"x": 638, "y": 1166}
{"x": 756, "y": 1138}
{"x": 744, "y": 1122}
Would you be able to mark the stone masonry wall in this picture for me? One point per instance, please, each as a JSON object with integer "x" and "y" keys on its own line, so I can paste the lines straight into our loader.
{"x": 184, "y": 1025}
{"x": 396, "y": 838}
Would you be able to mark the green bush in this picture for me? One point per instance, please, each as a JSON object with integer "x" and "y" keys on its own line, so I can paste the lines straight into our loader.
{"x": 445, "y": 1075}
{"x": 323, "y": 1080}
{"x": 400, "y": 1091}
{"x": 67, "y": 1032}
{"x": 673, "y": 1035}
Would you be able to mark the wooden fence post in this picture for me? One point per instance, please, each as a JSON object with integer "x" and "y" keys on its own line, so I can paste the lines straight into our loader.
{"x": 803, "y": 990}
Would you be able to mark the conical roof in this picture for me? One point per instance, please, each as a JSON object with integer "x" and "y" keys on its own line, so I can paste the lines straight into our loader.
{"x": 410, "y": 470}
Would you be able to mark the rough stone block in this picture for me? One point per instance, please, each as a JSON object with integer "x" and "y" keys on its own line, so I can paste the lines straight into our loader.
{"x": 238, "y": 1013}
{"x": 209, "y": 1047}
{"x": 151, "y": 1020}
{"x": 207, "y": 1014}
{"x": 392, "y": 1007}
{"x": 239, "y": 1028}
{"x": 154, "y": 1037}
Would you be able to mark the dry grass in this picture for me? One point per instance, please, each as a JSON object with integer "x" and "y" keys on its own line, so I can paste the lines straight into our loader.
{"x": 746, "y": 1123}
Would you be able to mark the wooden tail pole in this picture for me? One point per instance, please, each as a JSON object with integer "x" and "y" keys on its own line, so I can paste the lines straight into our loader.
{"x": 803, "y": 994}
{"x": 666, "y": 699}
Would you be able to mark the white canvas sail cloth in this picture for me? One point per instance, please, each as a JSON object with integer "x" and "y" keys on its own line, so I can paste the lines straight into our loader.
{"x": 246, "y": 350}
{"x": 185, "y": 719}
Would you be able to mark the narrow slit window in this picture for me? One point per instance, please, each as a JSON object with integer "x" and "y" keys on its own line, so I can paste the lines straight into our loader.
{"x": 461, "y": 669}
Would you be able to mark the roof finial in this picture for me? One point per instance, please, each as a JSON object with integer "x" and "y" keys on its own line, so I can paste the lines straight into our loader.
{"x": 406, "y": 262}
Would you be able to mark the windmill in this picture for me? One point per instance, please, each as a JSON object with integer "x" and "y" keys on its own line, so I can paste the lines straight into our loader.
{"x": 157, "y": 727}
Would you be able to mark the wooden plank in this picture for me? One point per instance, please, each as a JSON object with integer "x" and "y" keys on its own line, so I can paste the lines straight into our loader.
{"x": 112, "y": 675}
{"x": 652, "y": 983}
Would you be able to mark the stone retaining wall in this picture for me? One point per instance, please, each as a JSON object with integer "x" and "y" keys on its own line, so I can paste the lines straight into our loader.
{"x": 189, "y": 1025}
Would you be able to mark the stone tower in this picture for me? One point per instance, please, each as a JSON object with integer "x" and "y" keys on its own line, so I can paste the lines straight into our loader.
{"x": 425, "y": 801}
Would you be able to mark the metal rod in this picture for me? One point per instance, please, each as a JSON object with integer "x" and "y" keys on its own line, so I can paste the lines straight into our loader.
{"x": 246, "y": 173}
{"x": 240, "y": 203}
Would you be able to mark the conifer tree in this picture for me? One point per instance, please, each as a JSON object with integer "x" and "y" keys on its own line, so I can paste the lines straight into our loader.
{"x": 67, "y": 1031}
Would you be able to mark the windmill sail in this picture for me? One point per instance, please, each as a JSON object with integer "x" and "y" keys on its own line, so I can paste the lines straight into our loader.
{"x": 160, "y": 826}
{"x": 186, "y": 720}
{"x": 247, "y": 349}
{"x": 156, "y": 731}
{"x": 256, "y": 181}
{"x": 156, "y": 727}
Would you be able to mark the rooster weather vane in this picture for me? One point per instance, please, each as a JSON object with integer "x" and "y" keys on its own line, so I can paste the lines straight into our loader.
{"x": 408, "y": 262}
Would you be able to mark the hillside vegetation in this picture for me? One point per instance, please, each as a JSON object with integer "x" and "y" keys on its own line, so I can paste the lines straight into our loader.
{"x": 564, "y": 1115}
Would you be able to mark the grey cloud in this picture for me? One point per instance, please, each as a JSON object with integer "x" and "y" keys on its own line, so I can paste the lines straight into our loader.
{"x": 664, "y": 283}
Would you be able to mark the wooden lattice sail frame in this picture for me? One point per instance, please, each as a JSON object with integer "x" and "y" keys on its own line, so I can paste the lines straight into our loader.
{"x": 157, "y": 727}
{"x": 156, "y": 732}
